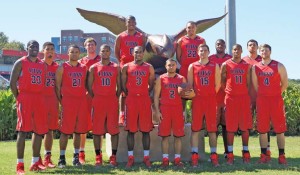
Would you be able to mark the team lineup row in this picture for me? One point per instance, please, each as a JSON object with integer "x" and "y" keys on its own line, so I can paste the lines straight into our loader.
{"x": 219, "y": 85}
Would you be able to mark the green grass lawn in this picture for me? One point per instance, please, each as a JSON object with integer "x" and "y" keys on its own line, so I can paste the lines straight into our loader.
{"x": 8, "y": 161}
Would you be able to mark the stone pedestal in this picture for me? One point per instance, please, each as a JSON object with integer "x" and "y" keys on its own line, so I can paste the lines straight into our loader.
{"x": 155, "y": 146}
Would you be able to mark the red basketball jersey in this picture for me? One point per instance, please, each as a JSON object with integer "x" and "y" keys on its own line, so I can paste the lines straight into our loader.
{"x": 89, "y": 62}
{"x": 127, "y": 43}
{"x": 268, "y": 79}
{"x": 218, "y": 60}
{"x": 50, "y": 79}
{"x": 252, "y": 61}
{"x": 73, "y": 80}
{"x": 169, "y": 93}
{"x": 236, "y": 77}
{"x": 189, "y": 49}
{"x": 32, "y": 77}
{"x": 137, "y": 78}
{"x": 204, "y": 78}
{"x": 105, "y": 79}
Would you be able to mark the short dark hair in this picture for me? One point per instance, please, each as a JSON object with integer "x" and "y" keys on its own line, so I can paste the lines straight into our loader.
{"x": 30, "y": 42}
{"x": 191, "y": 22}
{"x": 47, "y": 44}
{"x": 130, "y": 17}
{"x": 237, "y": 45}
{"x": 74, "y": 46}
{"x": 171, "y": 59}
{"x": 220, "y": 40}
{"x": 105, "y": 46}
{"x": 252, "y": 41}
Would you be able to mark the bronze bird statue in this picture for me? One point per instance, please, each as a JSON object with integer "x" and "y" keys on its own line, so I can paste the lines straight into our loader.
{"x": 158, "y": 47}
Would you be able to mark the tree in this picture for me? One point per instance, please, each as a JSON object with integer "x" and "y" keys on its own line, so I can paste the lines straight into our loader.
{"x": 3, "y": 40}
{"x": 14, "y": 45}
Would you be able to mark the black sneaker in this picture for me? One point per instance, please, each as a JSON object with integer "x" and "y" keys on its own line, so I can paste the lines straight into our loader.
{"x": 61, "y": 163}
{"x": 76, "y": 160}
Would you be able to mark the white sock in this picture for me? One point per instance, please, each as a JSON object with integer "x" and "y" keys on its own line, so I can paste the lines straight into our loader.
{"x": 47, "y": 151}
{"x": 166, "y": 156}
{"x": 130, "y": 153}
{"x": 34, "y": 160}
{"x": 81, "y": 149}
{"x": 230, "y": 148}
{"x": 245, "y": 148}
{"x": 177, "y": 156}
{"x": 146, "y": 153}
{"x": 62, "y": 152}
{"x": 76, "y": 151}
{"x": 213, "y": 149}
{"x": 20, "y": 160}
{"x": 195, "y": 149}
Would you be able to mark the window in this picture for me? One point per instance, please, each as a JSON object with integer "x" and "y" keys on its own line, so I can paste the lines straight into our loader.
{"x": 64, "y": 48}
{"x": 75, "y": 38}
{"x": 70, "y": 38}
{"x": 103, "y": 39}
{"x": 64, "y": 38}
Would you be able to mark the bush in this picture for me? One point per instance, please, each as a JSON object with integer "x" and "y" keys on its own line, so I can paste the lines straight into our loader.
{"x": 8, "y": 117}
{"x": 292, "y": 108}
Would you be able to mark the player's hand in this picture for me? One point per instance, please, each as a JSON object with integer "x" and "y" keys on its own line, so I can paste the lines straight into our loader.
{"x": 158, "y": 117}
{"x": 189, "y": 94}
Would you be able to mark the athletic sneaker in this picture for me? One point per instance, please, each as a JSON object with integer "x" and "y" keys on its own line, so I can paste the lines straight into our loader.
{"x": 48, "y": 162}
{"x": 76, "y": 161}
{"x": 165, "y": 162}
{"x": 246, "y": 157}
{"x": 113, "y": 161}
{"x": 178, "y": 163}
{"x": 62, "y": 163}
{"x": 195, "y": 158}
{"x": 282, "y": 159}
{"x": 36, "y": 167}
{"x": 41, "y": 165}
{"x": 214, "y": 159}
{"x": 82, "y": 157}
{"x": 99, "y": 161}
{"x": 263, "y": 159}
{"x": 130, "y": 162}
{"x": 230, "y": 159}
{"x": 147, "y": 161}
{"x": 20, "y": 168}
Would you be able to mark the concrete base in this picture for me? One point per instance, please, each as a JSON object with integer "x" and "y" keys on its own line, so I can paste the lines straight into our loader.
{"x": 155, "y": 146}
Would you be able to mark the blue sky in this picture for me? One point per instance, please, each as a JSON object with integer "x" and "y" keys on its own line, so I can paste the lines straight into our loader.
{"x": 275, "y": 22}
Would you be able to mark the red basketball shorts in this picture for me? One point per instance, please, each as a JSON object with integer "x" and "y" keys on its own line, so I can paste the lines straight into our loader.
{"x": 52, "y": 111}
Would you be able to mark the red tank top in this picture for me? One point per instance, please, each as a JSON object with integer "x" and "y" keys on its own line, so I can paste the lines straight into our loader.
{"x": 169, "y": 93}
{"x": 189, "y": 49}
{"x": 137, "y": 78}
{"x": 89, "y": 62}
{"x": 218, "y": 60}
{"x": 50, "y": 79}
{"x": 73, "y": 80}
{"x": 252, "y": 61}
{"x": 32, "y": 77}
{"x": 204, "y": 78}
{"x": 127, "y": 43}
{"x": 105, "y": 79}
{"x": 236, "y": 77}
{"x": 268, "y": 79}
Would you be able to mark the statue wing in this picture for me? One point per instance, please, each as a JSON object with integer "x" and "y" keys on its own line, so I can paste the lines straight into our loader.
{"x": 202, "y": 25}
{"x": 114, "y": 23}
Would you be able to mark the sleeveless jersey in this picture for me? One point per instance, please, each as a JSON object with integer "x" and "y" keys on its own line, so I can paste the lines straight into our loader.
{"x": 89, "y": 62}
{"x": 105, "y": 79}
{"x": 32, "y": 77}
{"x": 73, "y": 80}
{"x": 252, "y": 61}
{"x": 189, "y": 49}
{"x": 268, "y": 79}
{"x": 204, "y": 78}
{"x": 218, "y": 60}
{"x": 137, "y": 78}
{"x": 236, "y": 77}
{"x": 169, "y": 93}
{"x": 127, "y": 43}
{"x": 50, "y": 79}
